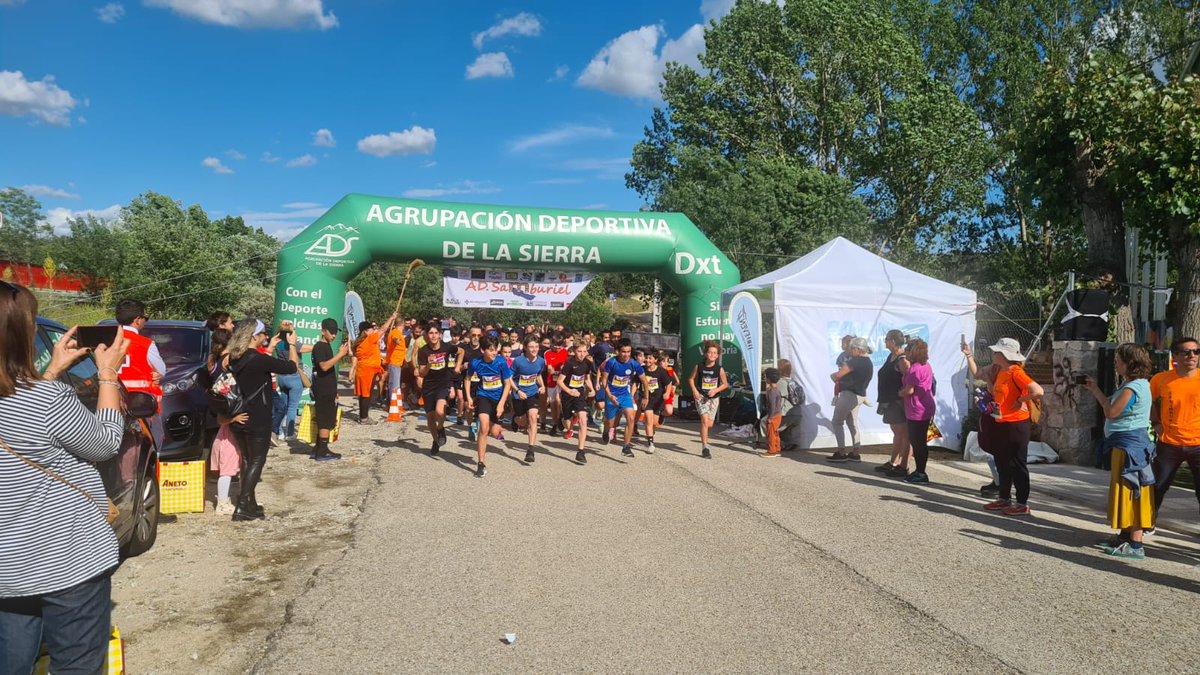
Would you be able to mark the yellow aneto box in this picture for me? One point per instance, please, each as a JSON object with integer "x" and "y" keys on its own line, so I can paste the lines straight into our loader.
{"x": 306, "y": 429}
{"x": 181, "y": 487}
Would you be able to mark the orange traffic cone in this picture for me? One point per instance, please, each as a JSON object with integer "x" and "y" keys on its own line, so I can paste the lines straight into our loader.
{"x": 396, "y": 408}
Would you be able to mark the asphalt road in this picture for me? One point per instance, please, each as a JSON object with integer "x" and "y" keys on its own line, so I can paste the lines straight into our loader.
{"x": 672, "y": 563}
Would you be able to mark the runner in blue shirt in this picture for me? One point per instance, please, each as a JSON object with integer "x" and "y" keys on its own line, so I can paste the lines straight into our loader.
{"x": 487, "y": 397}
{"x": 529, "y": 371}
{"x": 616, "y": 376}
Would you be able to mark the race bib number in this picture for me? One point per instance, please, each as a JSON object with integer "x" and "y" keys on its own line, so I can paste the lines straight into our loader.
{"x": 491, "y": 382}
{"x": 653, "y": 387}
{"x": 620, "y": 381}
{"x": 576, "y": 382}
{"x": 437, "y": 361}
{"x": 475, "y": 377}
{"x": 527, "y": 381}
{"x": 709, "y": 383}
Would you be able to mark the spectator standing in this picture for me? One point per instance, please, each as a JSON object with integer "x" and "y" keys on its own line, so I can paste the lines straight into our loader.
{"x": 252, "y": 370}
{"x": 919, "y": 406}
{"x": 1013, "y": 392}
{"x": 1131, "y": 483}
{"x": 850, "y": 381}
{"x": 324, "y": 388}
{"x": 1176, "y": 418}
{"x": 368, "y": 365}
{"x": 57, "y": 550}
{"x": 987, "y": 423}
{"x": 891, "y": 405}
{"x": 144, "y": 367}
{"x": 773, "y": 412}
{"x": 219, "y": 320}
{"x": 291, "y": 389}
{"x": 225, "y": 457}
{"x": 394, "y": 356}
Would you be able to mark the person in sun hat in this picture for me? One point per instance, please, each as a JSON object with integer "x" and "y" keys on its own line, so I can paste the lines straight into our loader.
{"x": 1014, "y": 391}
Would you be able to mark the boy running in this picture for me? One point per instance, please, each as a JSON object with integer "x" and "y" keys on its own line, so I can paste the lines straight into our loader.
{"x": 707, "y": 382}
{"x": 436, "y": 381}
{"x": 529, "y": 370}
{"x": 468, "y": 352}
{"x": 488, "y": 397}
{"x": 575, "y": 385}
{"x": 659, "y": 385}
{"x": 616, "y": 378}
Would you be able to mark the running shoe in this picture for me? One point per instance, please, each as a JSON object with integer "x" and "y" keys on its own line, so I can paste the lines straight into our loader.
{"x": 885, "y": 467}
{"x": 768, "y": 454}
{"x": 650, "y": 447}
{"x": 580, "y": 457}
{"x": 706, "y": 454}
{"x": 1017, "y": 510}
{"x": 529, "y": 456}
{"x": 917, "y": 477}
{"x": 838, "y": 456}
{"x": 998, "y": 505}
{"x": 627, "y": 451}
{"x": 990, "y": 490}
{"x": 853, "y": 456}
{"x": 472, "y": 432}
{"x": 481, "y": 470}
{"x": 898, "y": 472}
{"x": 1112, "y": 542}
{"x": 441, "y": 437}
{"x": 434, "y": 449}
{"x": 1127, "y": 552}
{"x": 570, "y": 434}
{"x": 604, "y": 439}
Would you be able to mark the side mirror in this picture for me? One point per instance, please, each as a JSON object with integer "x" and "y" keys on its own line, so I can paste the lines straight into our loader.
{"x": 141, "y": 405}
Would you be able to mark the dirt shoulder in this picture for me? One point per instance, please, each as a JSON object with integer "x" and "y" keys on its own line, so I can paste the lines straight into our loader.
{"x": 208, "y": 596}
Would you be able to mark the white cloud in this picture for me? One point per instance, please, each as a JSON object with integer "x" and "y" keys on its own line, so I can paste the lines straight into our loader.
{"x": 47, "y": 192}
{"x": 632, "y": 65}
{"x": 57, "y": 217}
{"x": 253, "y": 13}
{"x": 323, "y": 138}
{"x": 110, "y": 13}
{"x": 715, "y": 9}
{"x": 302, "y": 162}
{"x": 235, "y": 155}
{"x": 42, "y": 99}
{"x": 268, "y": 158}
{"x": 490, "y": 65}
{"x": 414, "y": 141}
{"x": 466, "y": 187}
{"x": 561, "y": 136}
{"x": 559, "y": 73}
{"x": 523, "y": 24}
{"x": 285, "y": 224}
{"x": 603, "y": 168}
{"x": 216, "y": 165}
{"x": 430, "y": 164}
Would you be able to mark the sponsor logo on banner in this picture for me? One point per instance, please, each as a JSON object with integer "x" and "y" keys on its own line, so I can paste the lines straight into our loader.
{"x": 537, "y": 290}
{"x": 333, "y": 247}
{"x": 745, "y": 320}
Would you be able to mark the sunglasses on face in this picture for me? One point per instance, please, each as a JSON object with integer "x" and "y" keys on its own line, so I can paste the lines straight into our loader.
{"x": 1187, "y": 352}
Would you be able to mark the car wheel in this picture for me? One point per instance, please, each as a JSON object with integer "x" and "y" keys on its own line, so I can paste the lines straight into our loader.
{"x": 145, "y": 523}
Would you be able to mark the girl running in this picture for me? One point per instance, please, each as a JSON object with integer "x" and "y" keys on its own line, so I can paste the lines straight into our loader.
{"x": 659, "y": 385}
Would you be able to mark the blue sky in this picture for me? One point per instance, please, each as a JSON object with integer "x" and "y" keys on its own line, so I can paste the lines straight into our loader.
{"x": 275, "y": 109}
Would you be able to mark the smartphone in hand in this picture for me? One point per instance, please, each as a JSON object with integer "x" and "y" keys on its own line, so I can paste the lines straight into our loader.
{"x": 91, "y": 337}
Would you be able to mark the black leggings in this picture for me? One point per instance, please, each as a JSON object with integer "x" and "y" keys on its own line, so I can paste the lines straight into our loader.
{"x": 1009, "y": 444}
{"x": 254, "y": 447}
{"x": 918, "y": 437}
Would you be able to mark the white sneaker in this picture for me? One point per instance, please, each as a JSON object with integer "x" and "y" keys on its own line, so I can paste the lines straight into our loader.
{"x": 224, "y": 507}
{"x": 650, "y": 448}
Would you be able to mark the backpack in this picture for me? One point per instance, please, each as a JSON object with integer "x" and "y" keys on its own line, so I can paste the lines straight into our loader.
{"x": 225, "y": 395}
{"x": 792, "y": 394}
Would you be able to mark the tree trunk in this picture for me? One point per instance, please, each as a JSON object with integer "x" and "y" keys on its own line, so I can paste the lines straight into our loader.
{"x": 1104, "y": 225}
{"x": 1187, "y": 289}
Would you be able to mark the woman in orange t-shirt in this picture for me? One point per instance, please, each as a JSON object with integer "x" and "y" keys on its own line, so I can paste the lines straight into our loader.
{"x": 1012, "y": 391}
{"x": 368, "y": 364}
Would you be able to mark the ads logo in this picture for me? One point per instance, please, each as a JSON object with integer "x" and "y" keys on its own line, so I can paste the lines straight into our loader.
{"x": 332, "y": 245}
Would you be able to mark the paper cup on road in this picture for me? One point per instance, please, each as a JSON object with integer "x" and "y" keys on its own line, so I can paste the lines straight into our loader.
{"x": 510, "y": 638}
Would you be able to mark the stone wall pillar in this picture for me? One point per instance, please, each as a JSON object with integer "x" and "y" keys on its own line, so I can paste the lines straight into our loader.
{"x": 1069, "y": 413}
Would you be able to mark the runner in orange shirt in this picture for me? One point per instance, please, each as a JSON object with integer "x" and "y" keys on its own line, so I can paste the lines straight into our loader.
{"x": 368, "y": 364}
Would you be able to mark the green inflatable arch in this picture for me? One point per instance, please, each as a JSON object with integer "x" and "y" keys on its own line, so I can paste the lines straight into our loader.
{"x": 315, "y": 266}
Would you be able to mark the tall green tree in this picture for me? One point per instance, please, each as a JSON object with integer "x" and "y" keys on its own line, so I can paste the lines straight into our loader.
{"x": 25, "y": 233}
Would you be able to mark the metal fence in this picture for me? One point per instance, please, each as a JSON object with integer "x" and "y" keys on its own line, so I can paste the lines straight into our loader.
{"x": 1019, "y": 314}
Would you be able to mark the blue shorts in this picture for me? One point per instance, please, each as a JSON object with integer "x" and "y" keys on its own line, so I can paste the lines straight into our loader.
{"x": 624, "y": 402}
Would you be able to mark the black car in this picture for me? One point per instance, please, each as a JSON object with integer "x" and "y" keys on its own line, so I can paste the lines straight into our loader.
{"x": 184, "y": 347}
{"x": 129, "y": 478}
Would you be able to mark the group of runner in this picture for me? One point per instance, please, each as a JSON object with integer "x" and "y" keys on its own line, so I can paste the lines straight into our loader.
{"x": 552, "y": 383}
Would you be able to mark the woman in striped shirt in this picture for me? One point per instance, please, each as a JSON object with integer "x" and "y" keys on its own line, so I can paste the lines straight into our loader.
{"x": 57, "y": 551}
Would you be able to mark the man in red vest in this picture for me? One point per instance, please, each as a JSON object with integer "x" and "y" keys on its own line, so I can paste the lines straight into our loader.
{"x": 144, "y": 367}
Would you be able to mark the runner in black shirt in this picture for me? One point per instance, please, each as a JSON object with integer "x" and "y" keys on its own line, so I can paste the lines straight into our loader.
{"x": 575, "y": 386}
{"x": 436, "y": 380}
{"x": 659, "y": 384}
{"x": 468, "y": 352}
{"x": 708, "y": 381}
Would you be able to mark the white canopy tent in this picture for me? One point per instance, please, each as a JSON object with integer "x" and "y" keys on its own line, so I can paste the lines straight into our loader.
{"x": 842, "y": 289}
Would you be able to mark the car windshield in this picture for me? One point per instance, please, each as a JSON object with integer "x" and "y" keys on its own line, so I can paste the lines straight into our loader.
{"x": 179, "y": 346}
